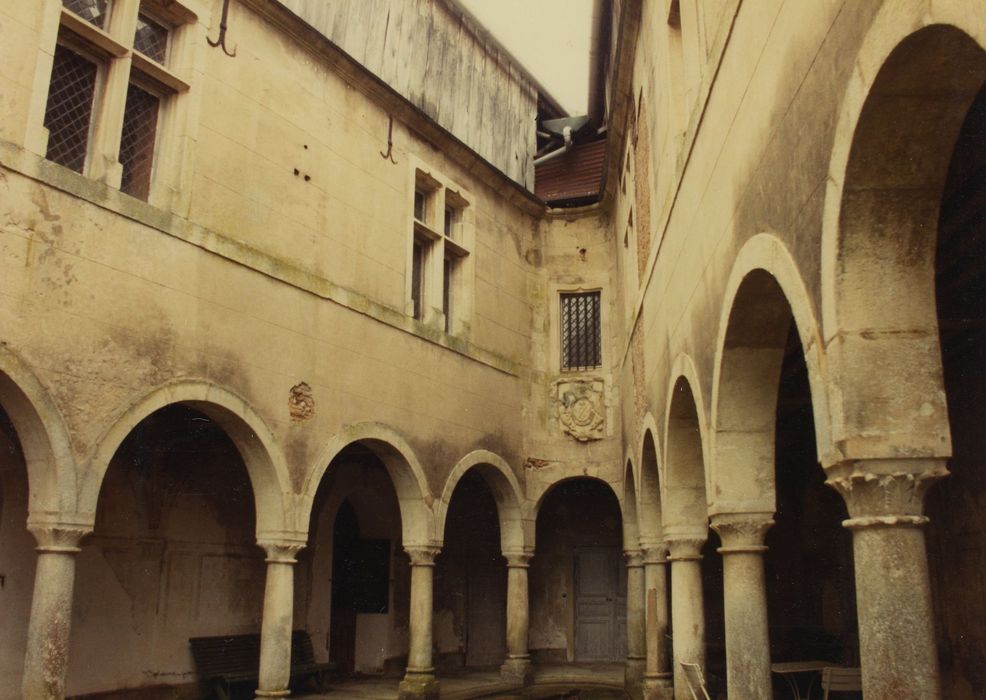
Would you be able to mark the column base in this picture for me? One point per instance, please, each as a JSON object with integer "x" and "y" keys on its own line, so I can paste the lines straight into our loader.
{"x": 518, "y": 669}
{"x": 418, "y": 686}
{"x": 659, "y": 687}
{"x": 633, "y": 676}
{"x": 260, "y": 694}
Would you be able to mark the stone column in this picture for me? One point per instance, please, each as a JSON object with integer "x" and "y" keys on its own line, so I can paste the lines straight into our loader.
{"x": 633, "y": 675}
{"x": 747, "y": 638}
{"x": 419, "y": 680}
{"x": 893, "y": 598}
{"x": 687, "y": 611}
{"x": 657, "y": 674}
{"x": 275, "y": 630}
{"x": 46, "y": 658}
{"x": 517, "y": 667}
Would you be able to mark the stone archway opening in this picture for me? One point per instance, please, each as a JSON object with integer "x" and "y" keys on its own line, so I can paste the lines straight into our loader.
{"x": 172, "y": 556}
{"x": 956, "y": 539}
{"x": 17, "y": 558}
{"x": 811, "y": 593}
{"x": 902, "y": 268}
{"x": 353, "y": 583}
{"x": 470, "y": 620}
{"x": 577, "y": 577}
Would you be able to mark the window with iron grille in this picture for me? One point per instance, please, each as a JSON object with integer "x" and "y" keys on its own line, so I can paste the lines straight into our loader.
{"x": 68, "y": 114}
{"x": 137, "y": 141}
{"x": 86, "y": 88}
{"x": 581, "y": 333}
{"x": 92, "y": 11}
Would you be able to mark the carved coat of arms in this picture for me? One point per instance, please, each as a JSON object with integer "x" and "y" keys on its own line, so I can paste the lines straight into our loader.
{"x": 581, "y": 408}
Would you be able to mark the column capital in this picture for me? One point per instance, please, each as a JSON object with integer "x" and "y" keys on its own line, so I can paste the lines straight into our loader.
{"x": 742, "y": 533}
{"x": 281, "y": 552}
{"x": 422, "y": 555}
{"x": 655, "y": 553}
{"x": 685, "y": 548}
{"x": 59, "y": 538}
{"x": 634, "y": 558}
{"x": 518, "y": 560}
{"x": 885, "y": 493}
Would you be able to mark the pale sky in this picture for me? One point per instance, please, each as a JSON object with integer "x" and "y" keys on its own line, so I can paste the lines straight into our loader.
{"x": 549, "y": 37}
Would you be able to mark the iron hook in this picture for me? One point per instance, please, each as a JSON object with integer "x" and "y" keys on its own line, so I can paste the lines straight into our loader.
{"x": 223, "y": 25}
{"x": 389, "y": 155}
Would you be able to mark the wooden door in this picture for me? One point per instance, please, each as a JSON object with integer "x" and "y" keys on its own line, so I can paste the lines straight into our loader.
{"x": 600, "y": 609}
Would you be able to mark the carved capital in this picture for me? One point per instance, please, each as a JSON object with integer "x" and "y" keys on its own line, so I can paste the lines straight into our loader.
{"x": 882, "y": 496}
{"x": 58, "y": 538}
{"x": 655, "y": 554}
{"x": 518, "y": 560}
{"x": 742, "y": 533}
{"x": 422, "y": 555}
{"x": 281, "y": 552}
{"x": 685, "y": 548}
{"x": 634, "y": 558}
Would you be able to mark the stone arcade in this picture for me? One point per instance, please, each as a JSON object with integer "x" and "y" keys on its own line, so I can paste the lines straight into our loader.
{"x": 289, "y": 341}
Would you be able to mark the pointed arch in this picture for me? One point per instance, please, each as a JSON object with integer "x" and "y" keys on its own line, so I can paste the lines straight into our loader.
{"x": 265, "y": 464}
{"x": 915, "y": 75}
{"x": 516, "y": 525}
{"x": 413, "y": 493}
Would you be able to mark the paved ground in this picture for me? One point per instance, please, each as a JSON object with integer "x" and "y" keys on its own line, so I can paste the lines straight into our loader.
{"x": 480, "y": 684}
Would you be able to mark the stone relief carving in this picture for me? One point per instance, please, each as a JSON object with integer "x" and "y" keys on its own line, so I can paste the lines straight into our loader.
{"x": 581, "y": 408}
{"x": 301, "y": 402}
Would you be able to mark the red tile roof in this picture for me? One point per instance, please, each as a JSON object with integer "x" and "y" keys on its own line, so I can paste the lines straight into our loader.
{"x": 577, "y": 175}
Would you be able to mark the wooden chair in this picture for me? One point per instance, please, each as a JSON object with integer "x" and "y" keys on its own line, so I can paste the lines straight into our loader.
{"x": 695, "y": 680}
{"x": 841, "y": 680}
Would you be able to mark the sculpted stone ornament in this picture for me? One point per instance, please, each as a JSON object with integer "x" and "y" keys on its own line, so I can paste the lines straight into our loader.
{"x": 301, "y": 402}
{"x": 581, "y": 408}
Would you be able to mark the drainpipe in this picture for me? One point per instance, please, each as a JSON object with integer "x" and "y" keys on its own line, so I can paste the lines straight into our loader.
{"x": 567, "y": 133}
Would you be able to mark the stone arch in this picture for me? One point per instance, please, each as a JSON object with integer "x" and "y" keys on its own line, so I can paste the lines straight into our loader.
{"x": 516, "y": 527}
{"x": 649, "y": 485}
{"x": 44, "y": 438}
{"x": 631, "y": 522}
{"x": 764, "y": 296}
{"x": 916, "y": 73}
{"x": 536, "y": 507}
{"x": 265, "y": 464}
{"x": 685, "y": 495}
{"x": 413, "y": 493}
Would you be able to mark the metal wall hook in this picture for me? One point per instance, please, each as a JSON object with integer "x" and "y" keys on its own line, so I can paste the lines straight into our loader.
{"x": 389, "y": 155}
{"x": 223, "y": 26}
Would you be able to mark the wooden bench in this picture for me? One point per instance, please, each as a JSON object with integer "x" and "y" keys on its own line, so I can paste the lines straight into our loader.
{"x": 234, "y": 660}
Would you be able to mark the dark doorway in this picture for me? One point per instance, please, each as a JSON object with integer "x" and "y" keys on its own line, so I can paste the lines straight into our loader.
{"x": 577, "y": 566}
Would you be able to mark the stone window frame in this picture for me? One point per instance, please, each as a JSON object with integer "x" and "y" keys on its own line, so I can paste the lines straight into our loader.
{"x": 590, "y": 283}
{"x": 119, "y": 65}
{"x": 448, "y": 264}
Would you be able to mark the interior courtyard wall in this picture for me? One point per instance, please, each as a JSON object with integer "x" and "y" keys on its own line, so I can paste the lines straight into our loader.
{"x": 135, "y": 307}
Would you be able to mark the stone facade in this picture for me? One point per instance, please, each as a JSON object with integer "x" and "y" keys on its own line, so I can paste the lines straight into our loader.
{"x": 311, "y": 377}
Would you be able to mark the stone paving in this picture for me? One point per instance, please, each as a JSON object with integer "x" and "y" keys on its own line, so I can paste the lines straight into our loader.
{"x": 552, "y": 680}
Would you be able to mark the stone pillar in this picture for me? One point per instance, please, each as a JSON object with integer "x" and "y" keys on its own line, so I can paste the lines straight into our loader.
{"x": 893, "y": 598}
{"x": 687, "y": 611}
{"x": 657, "y": 674}
{"x": 747, "y": 637}
{"x": 517, "y": 667}
{"x": 633, "y": 675}
{"x": 46, "y": 658}
{"x": 278, "y": 621}
{"x": 419, "y": 680}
